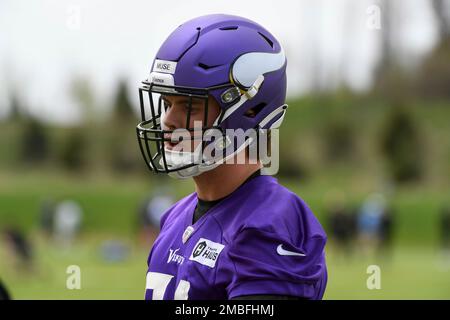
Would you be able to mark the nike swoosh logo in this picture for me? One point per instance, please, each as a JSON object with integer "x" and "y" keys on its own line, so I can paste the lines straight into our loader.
{"x": 283, "y": 252}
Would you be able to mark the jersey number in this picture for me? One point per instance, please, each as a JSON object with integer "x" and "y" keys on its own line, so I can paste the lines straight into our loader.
{"x": 158, "y": 282}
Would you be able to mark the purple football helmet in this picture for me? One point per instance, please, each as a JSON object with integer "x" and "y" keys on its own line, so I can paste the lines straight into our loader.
{"x": 232, "y": 59}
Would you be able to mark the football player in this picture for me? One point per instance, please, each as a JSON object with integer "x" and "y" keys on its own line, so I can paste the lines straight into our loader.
{"x": 216, "y": 90}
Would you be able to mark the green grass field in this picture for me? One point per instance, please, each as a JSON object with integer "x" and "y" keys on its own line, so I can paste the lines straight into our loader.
{"x": 410, "y": 274}
{"x": 416, "y": 269}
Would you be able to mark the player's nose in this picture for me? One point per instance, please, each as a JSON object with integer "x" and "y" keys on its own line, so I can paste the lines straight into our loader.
{"x": 173, "y": 119}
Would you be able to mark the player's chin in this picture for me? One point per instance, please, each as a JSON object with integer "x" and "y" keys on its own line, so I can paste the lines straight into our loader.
{"x": 179, "y": 146}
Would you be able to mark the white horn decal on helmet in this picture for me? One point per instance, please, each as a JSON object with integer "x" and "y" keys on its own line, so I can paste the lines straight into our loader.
{"x": 249, "y": 66}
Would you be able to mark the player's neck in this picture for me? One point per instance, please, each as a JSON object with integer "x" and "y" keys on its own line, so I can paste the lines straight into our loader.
{"x": 223, "y": 180}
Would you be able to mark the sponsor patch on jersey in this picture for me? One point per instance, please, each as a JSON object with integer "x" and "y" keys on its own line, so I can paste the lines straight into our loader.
{"x": 165, "y": 66}
{"x": 206, "y": 252}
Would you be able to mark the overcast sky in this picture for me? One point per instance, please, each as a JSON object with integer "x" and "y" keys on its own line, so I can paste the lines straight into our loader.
{"x": 44, "y": 44}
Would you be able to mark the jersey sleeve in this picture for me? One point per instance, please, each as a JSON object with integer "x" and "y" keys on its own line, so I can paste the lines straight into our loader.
{"x": 263, "y": 262}
{"x": 279, "y": 250}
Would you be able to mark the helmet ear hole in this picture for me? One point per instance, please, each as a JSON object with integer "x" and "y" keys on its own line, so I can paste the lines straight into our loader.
{"x": 253, "y": 112}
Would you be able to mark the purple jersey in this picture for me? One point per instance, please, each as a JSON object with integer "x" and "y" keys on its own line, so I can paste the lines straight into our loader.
{"x": 261, "y": 239}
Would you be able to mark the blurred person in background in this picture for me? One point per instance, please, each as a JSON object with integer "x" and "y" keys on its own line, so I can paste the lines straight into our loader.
{"x": 386, "y": 233}
{"x": 342, "y": 229}
{"x": 369, "y": 222}
{"x": 19, "y": 248}
{"x": 113, "y": 251}
{"x": 67, "y": 222}
{"x": 340, "y": 223}
{"x": 4, "y": 294}
{"x": 46, "y": 217}
{"x": 150, "y": 213}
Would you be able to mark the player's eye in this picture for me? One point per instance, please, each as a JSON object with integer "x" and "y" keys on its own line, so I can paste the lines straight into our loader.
{"x": 166, "y": 105}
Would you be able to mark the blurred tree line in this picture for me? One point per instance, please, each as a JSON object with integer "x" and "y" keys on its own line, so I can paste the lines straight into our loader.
{"x": 106, "y": 141}
{"x": 325, "y": 129}
{"x": 400, "y": 141}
